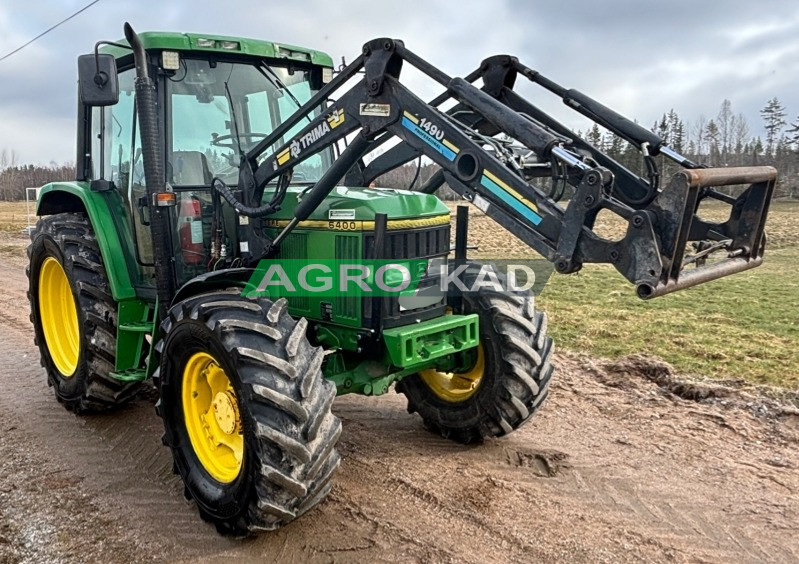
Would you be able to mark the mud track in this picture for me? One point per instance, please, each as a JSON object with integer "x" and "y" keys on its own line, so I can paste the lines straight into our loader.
{"x": 617, "y": 466}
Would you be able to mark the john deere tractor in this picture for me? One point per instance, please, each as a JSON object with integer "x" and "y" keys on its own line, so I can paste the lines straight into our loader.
{"x": 204, "y": 162}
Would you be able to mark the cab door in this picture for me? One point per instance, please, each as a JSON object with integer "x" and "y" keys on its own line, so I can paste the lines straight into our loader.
{"x": 116, "y": 158}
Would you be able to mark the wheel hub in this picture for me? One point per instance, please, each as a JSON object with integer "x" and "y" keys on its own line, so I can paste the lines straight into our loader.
{"x": 226, "y": 412}
{"x": 456, "y": 386}
{"x": 59, "y": 317}
{"x": 212, "y": 417}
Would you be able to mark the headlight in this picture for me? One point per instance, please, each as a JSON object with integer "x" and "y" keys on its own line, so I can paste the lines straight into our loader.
{"x": 170, "y": 60}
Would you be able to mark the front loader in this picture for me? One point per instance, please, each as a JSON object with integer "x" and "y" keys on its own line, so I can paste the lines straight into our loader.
{"x": 209, "y": 165}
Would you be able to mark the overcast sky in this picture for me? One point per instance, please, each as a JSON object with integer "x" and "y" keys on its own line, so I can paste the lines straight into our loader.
{"x": 640, "y": 57}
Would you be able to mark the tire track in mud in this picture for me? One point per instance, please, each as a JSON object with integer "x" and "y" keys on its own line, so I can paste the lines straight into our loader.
{"x": 635, "y": 508}
{"x": 118, "y": 454}
{"x": 707, "y": 528}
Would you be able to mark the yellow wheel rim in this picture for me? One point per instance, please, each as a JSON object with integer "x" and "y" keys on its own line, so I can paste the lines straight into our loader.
{"x": 213, "y": 420}
{"x": 59, "y": 317}
{"x": 456, "y": 386}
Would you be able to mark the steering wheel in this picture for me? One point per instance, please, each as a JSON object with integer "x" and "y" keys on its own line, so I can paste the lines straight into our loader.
{"x": 218, "y": 140}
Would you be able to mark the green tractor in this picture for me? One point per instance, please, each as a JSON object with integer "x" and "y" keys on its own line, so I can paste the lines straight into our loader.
{"x": 204, "y": 162}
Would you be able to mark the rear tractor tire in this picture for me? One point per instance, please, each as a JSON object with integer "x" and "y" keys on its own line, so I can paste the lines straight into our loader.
{"x": 246, "y": 411}
{"x": 509, "y": 379}
{"x": 74, "y": 315}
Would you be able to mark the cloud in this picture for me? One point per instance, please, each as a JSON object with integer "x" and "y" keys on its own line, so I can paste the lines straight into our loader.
{"x": 642, "y": 58}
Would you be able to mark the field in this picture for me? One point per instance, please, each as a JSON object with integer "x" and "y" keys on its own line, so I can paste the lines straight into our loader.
{"x": 14, "y": 216}
{"x": 743, "y": 327}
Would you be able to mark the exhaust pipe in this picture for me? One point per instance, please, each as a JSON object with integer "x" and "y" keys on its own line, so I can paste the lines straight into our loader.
{"x": 153, "y": 161}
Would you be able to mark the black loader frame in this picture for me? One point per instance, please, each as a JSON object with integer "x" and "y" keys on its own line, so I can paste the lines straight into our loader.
{"x": 661, "y": 220}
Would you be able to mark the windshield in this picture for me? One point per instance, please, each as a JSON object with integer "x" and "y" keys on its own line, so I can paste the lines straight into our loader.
{"x": 220, "y": 108}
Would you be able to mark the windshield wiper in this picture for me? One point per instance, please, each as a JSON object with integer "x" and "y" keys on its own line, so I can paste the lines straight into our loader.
{"x": 279, "y": 84}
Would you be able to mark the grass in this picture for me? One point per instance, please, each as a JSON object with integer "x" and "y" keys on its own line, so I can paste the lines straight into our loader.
{"x": 744, "y": 326}
{"x": 14, "y": 216}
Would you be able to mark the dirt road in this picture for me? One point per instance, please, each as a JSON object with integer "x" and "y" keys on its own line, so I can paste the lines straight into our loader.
{"x": 617, "y": 466}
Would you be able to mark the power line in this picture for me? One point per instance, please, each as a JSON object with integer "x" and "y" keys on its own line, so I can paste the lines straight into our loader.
{"x": 18, "y": 49}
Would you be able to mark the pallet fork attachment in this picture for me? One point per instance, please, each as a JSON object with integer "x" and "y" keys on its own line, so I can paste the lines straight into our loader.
{"x": 661, "y": 221}
{"x": 742, "y": 235}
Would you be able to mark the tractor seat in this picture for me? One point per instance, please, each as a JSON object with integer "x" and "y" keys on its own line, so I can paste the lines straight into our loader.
{"x": 190, "y": 168}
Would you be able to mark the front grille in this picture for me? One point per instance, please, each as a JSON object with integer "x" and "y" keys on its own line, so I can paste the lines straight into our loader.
{"x": 412, "y": 243}
{"x": 347, "y": 250}
{"x": 296, "y": 247}
{"x": 408, "y": 244}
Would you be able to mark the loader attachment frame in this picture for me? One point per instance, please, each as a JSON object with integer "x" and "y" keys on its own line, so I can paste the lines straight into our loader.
{"x": 661, "y": 222}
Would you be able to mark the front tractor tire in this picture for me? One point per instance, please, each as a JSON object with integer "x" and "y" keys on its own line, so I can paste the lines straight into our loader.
{"x": 509, "y": 376}
{"x": 246, "y": 411}
{"x": 74, "y": 315}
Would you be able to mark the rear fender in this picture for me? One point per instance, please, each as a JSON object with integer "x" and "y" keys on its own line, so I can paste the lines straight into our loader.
{"x": 109, "y": 218}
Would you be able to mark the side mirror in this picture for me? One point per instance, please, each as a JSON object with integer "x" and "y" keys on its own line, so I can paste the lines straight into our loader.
{"x": 98, "y": 83}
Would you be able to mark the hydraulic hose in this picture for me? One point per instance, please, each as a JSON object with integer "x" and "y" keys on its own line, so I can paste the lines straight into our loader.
{"x": 267, "y": 209}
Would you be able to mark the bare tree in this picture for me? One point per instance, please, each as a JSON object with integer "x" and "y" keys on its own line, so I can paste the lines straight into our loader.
{"x": 740, "y": 135}
{"x": 725, "y": 122}
{"x": 14, "y": 177}
{"x": 698, "y": 131}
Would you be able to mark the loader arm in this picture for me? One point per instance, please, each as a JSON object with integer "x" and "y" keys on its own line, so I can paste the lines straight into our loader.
{"x": 660, "y": 222}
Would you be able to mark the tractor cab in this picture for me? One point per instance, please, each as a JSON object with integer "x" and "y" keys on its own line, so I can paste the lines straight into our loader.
{"x": 217, "y": 98}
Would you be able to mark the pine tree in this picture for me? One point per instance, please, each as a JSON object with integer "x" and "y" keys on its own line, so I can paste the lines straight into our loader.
{"x": 713, "y": 137}
{"x": 607, "y": 141}
{"x": 774, "y": 120}
{"x": 594, "y": 136}
{"x": 631, "y": 158}
{"x": 783, "y": 154}
{"x": 757, "y": 151}
{"x": 616, "y": 148}
{"x": 793, "y": 134}
{"x": 676, "y": 131}
{"x": 662, "y": 130}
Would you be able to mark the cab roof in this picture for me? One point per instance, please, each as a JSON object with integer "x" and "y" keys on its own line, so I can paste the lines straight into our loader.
{"x": 156, "y": 40}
